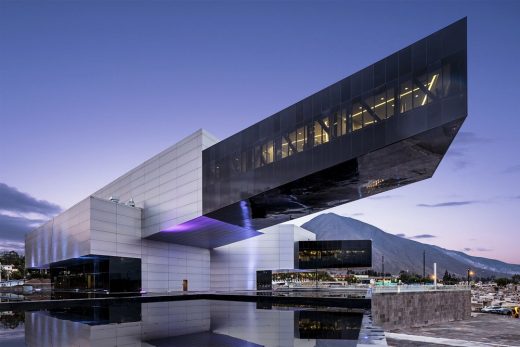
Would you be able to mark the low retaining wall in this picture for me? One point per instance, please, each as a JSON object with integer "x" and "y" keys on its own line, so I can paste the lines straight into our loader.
{"x": 412, "y": 309}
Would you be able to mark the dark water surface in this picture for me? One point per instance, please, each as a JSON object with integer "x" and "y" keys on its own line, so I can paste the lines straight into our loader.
{"x": 182, "y": 323}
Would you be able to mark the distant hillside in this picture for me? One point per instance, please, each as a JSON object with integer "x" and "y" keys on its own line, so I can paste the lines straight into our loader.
{"x": 404, "y": 254}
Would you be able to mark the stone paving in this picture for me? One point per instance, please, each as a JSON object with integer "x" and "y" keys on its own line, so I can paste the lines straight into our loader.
{"x": 482, "y": 329}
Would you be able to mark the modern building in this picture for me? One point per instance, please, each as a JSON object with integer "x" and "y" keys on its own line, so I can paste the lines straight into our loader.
{"x": 205, "y": 214}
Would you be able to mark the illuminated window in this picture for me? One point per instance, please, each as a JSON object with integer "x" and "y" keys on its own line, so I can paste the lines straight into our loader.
{"x": 317, "y": 133}
{"x": 321, "y": 131}
{"x": 405, "y": 97}
{"x": 292, "y": 141}
{"x": 368, "y": 118}
{"x": 357, "y": 116}
{"x": 268, "y": 152}
{"x": 287, "y": 144}
{"x": 420, "y": 98}
{"x": 434, "y": 83}
{"x": 344, "y": 124}
{"x": 325, "y": 131}
{"x": 390, "y": 102}
{"x": 258, "y": 157}
{"x": 285, "y": 147}
{"x": 301, "y": 138}
{"x": 339, "y": 125}
{"x": 380, "y": 104}
{"x": 277, "y": 149}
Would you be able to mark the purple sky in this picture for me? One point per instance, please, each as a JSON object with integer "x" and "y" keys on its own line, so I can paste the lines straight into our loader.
{"x": 88, "y": 90}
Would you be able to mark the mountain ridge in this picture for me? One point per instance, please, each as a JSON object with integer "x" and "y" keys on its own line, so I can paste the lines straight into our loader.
{"x": 402, "y": 254}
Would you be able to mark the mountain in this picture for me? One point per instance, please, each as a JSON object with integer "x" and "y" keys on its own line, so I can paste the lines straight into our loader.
{"x": 404, "y": 254}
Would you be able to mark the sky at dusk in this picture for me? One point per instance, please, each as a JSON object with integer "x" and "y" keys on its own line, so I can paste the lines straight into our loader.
{"x": 89, "y": 90}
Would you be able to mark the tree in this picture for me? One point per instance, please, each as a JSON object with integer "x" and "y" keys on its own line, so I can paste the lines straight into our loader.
{"x": 449, "y": 279}
{"x": 13, "y": 258}
{"x": 502, "y": 282}
{"x": 406, "y": 277}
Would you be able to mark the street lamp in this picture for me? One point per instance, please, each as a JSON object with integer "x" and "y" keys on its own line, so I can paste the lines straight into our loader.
{"x": 470, "y": 273}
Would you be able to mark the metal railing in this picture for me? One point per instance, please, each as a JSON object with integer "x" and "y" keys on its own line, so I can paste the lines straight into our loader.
{"x": 406, "y": 288}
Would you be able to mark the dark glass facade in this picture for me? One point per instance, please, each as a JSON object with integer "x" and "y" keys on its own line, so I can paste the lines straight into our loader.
{"x": 99, "y": 314}
{"x": 96, "y": 273}
{"x": 312, "y": 324}
{"x": 385, "y": 126}
{"x": 264, "y": 280}
{"x": 333, "y": 254}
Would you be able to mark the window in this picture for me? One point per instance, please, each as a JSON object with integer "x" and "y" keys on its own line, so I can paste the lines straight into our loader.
{"x": 301, "y": 138}
{"x": 258, "y": 157}
{"x": 434, "y": 83}
{"x": 390, "y": 102}
{"x": 368, "y": 117}
{"x": 405, "y": 96}
{"x": 321, "y": 131}
{"x": 380, "y": 104}
{"x": 420, "y": 98}
{"x": 357, "y": 116}
{"x": 317, "y": 133}
{"x": 268, "y": 152}
{"x": 325, "y": 135}
{"x": 339, "y": 125}
{"x": 344, "y": 124}
{"x": 277, "y": 149}
{"x": 287, "y": 149}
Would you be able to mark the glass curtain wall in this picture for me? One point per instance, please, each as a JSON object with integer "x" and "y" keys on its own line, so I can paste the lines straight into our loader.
{"x": 97, "y": 273}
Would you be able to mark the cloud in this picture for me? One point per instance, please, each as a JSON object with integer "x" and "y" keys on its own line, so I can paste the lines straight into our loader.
{"x": 11, "y": 199}
{"x": 357, "y": 214}
{"x": 512, "y": 169}
{"x": 458, "y": 152}
{"x": 15, "y": 228}
{"x": 19, "y": 214}
{"x": 482, "y": 249}
{"x": 18, "y": 247}
{"x": 401, "y": 235}
{"x": 466, "y": 249}
{"x": 450, "y": 203}
{"x": 422, "y": 236}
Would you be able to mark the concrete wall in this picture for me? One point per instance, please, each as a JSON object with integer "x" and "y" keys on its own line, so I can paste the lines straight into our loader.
{"x": 234, "y": 266}
{"x": 412, "y": 309}
{"x": 167, "y": 189}
{"x": 159, "y": 320}
{"x": 116, "y": 230}
{"x": 167, "y": 186}
{"x": 92, "y": 226}
{"x": 166, "y": 265}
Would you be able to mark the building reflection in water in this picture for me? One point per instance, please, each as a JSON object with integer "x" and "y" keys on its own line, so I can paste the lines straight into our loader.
{"x": 191, "y": 323}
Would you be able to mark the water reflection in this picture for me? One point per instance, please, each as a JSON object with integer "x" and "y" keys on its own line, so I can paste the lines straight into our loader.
{"x": 192, "y": 323}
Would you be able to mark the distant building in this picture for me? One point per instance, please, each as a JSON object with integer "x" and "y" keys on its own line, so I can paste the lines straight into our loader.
{"x": 8, "y": 268}
{"x": 204, "y": 214}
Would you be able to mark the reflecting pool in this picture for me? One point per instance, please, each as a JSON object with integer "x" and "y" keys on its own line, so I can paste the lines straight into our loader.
{"x": 183, "y": 323}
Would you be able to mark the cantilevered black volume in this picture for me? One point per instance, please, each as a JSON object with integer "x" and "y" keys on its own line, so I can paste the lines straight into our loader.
{"x": 383, "y": 127}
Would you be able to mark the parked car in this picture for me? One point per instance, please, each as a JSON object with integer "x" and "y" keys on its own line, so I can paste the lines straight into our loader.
{"x": 496, "y": 310}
